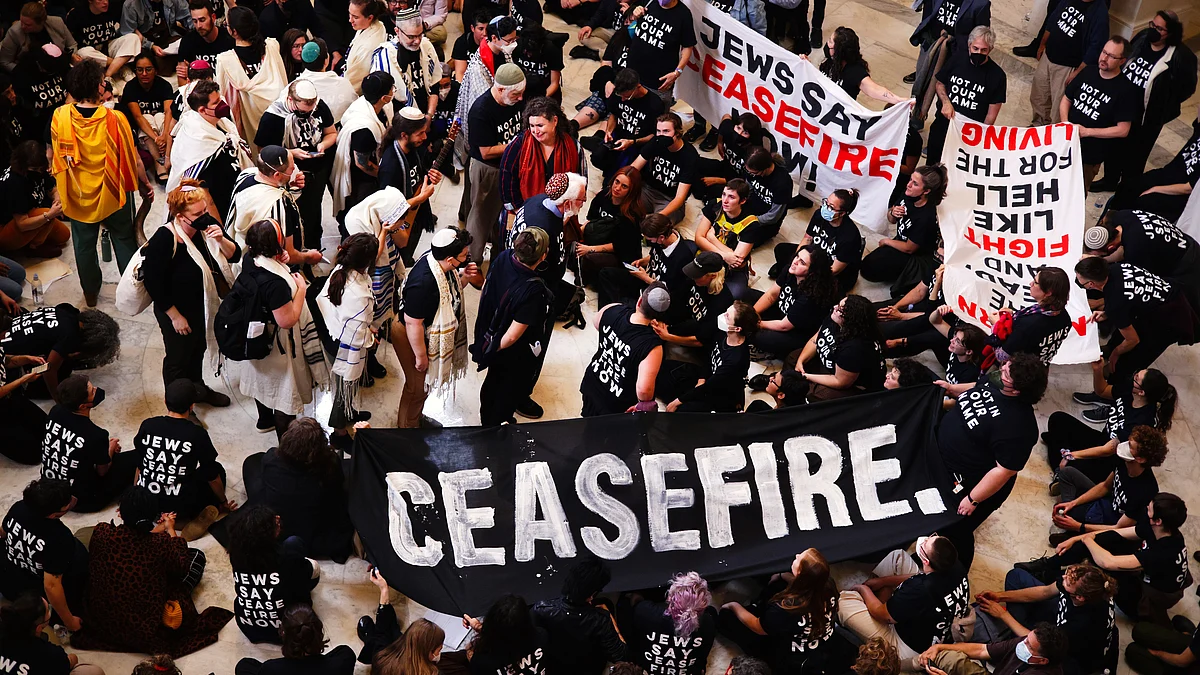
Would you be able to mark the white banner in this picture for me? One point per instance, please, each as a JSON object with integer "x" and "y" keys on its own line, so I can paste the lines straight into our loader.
{"x": 1015, "y": 203}
{"x": 842, "y": 144}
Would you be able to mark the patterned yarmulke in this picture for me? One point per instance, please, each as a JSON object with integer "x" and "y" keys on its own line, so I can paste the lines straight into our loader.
{"x": 556, "y": 187}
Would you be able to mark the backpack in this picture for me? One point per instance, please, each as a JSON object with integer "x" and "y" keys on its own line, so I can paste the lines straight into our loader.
{"x": 245, "y": 329}
{"x": 487, "y": 345}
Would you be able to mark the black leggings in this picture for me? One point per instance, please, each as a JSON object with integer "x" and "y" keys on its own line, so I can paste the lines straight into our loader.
{"x": 884, "y": 264}
{"x": 1065, "y": 432}
{"x": 919, "y": 335}
{"x": 962, "y": 533}
{"x": 110, "y": 485}
{"x": 24, "y": 425}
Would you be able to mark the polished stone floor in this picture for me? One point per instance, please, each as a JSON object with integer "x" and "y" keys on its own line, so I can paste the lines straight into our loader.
{"x": 1016, "y": 532}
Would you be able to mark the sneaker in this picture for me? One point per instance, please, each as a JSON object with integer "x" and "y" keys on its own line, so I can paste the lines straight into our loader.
{"x": 1055, "y": 488}
{"x": 910, "y": 78}
{"x": 195, "y": 419}
{"x": 1104, "y": 185}
{"x": 428, "y": 423}
{"x": 816, "y": 39}
{"x": 582, "y": 52}
{"x": 695, "y": 133}
{"x": 366, "y": 626}
{"x": 758, "y": 382}
{"x": 264, "y": 426}
{"x": 1096, "y": 417}
{"x": 710, "y": 141}
{"x": 1090, "y": 398}
{"x": 207, "y": 396}
{"x": 1044, "y": 569}
{"x": 199, "y": 526}
{"x": 529, "y": 409}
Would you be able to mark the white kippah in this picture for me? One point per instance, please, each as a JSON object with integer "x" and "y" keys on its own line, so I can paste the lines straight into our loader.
{"x": 1095, "y": 237}
{"x": 305, "y": 90}
{"x": 444, "y": 238}
{"x": 412, "y": 113}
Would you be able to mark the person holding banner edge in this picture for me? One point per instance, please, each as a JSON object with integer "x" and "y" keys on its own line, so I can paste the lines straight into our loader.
{"x": 971, "y": 83}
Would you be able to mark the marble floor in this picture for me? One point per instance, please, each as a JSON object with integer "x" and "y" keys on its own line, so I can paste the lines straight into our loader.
{"x": 1016, "y": 532}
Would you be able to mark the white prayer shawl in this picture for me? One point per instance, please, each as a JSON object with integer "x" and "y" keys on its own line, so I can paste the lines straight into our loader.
{"x": 350, "y": 324}
{"x": 196, "y": 141}
{"x": 296, "y": 129}
{"x": 384, "y": 60}
{"x": 446, "y": 335}
{"x": 475, "y": 83}
{"x": 370, "y": 215}
{"x": 362, "y": 49}
{"x": 211, "y": 300}
{"x": 286, "y": 378}
{"x": 250, "y": 97}
{"x": 333, "y": 89}
{"x": 257, "y": 202}
{"x": 360, "y": 115}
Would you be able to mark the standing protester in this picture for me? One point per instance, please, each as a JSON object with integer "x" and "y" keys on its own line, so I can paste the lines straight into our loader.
{"x": 942, "y": 33}
{"x": 251, "y": 75}
{"x": 544, "y": 147}
{"x": 205, "y": 42}
{"x": 434, "y": 356}
{"x": 333, "y": 89}
{"x": 355, "y": 173}
{"x": 410, "y": 58}
{"x": 348, "y": 309}
{"x": 668, "y": 166}
{"x": 77, "y": 450}
{"x": 473, "y": 36}
{"x": 263, "y": 193}
{"x": 405, "y": 166}
{"x": 1165, "y": 191}
{"x": 495, "y": 120}
{"x": 1164, "y": 69}
{"x": 181, "y": 266}
{"x": 96, "y": 171}
{"x": 207, "y": 147}
{"x": 917, "y": 233}
{"x": 985, "y": 441}
{"x": 662, "y": 45}
{"x": 1105, "y": 105}
{"x": 496, "y": 50}
{"x": 971, "y": 83}
{"x": 1075, "y": 34}
{"x": 369, "y": 34}
{"x": 844, "y": 64}
{"x": 621, "y": 375}
{"x": 300, "y": 122}
{"x": 96, "y": 26}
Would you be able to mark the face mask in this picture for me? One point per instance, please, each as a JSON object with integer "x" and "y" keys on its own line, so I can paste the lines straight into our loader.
{"x": 828, "y": 53}
{"x": 111, "y": 105}
{"x": 827, "y": 213}
{"x": 98, "y": 398}
{"x": 722, "y": 323}
{"x": 664, "y": 3}
{"x": 508, "y": 49}
{"x": 978, "y": 59}
{"x": 203, "y": 222}
{"x": 223, "y": 110}
{"x": 1023, "y": 652}
{"x": 994, "y": 378}
{"x": 303, "y": 114}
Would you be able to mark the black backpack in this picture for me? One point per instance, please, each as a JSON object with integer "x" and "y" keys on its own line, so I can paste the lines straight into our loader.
{"x": 241, "y": 307}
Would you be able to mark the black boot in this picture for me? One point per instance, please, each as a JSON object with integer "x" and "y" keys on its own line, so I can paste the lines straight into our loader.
{"x": 375, "y": 368}
{"x": 1044, "y": 569}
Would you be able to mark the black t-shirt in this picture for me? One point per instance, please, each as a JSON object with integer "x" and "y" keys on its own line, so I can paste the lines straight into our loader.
{"x": 804, "y": 313}
{"x": 1164, "y": 561}
{"x": 660, "y": 35}
{"x": 767, "y": 191}
{"x": 419, "y": 299}
{"x": 39, "y": 92}
{"x": 733, "y": 146}
{"x": 32, "y": 546}
{"x": 666, "y": 265}
{"x": 72, "y": 449}
{"x": 526, "y": 12}
{"x": 984, "y": 428}
{"x": 925, "y": 605}
{"x": 842, "y": 243}
{"x": 219, "y": 173}
{"x": 95, "y": 30}
{"x": 260, "y": 597}
{"x": 703, "y": 308}
{"x": 361, "y": 141}
{"x": 1138, "y": 66}
{"x": 24, "y": 193}
{"x": 628, "y": 243}
{"x": 1123, "y": 417}
{"x": 251, "y": 59}
{"x": 734, "y": 230}
{"x": 178, "y": 460}
{"x": 34, "y": 655}
{"x": 972, "y": 89}
{"x": 528, "y": 300}
{"x": 490, "y": 124}
{"x": 961, "y": 372}
{"x": 610, "y": 381}
{"x": 1089, "y": 630}
{"x": 309, "y": 132}
{"x": 1098, "y": 103}
{"x": 1038, "y": 334}
{"x": 150, "y": 101}
{"x": 1131, "y": 291}
{"x": 794, "y": 633}
{"x": 536, "y": 213}
{"x": 464, "y": 46}
{"x": 1130, "y": 494}
{"x": 919, "y": 224}
{"x": 533, "y": 663}
{"x": 538, "y": 66}
{"x": 193, "y": 47}
{"x": 1185, "y": 166}
{"x": 661, "y": 651}
{"x": 1065, "y": 45}
{"x": 636, "y": 117}
{"x": 667, "y": 169}
{"x": 947, "y": 15}
{"x": 1151, "y": 241}
{"x": 857, "y": 355}
{"x": 42, "y": 331}
{"x": 851, "y": 79}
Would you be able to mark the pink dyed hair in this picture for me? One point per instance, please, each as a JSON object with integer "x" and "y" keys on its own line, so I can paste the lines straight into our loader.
{"x": 687, "y": 598}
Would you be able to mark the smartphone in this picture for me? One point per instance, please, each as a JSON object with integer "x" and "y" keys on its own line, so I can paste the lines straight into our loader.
{"x": 632, "y": 268}
{"x": 38, "y": 370}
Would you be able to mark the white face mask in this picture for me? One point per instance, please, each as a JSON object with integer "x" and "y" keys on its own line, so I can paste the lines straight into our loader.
{"x": 722, "y": 323}
{"x": 508, "y": 49}
{"x": 111, "y": 105}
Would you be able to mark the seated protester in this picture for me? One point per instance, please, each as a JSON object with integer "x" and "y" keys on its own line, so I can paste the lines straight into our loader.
{"x": 386, "y": 647}
{"x": 669, "y": 254}
{"x": 55, "y": 566}
{"x": 302, "y": 481}
{"x": 269, "y": 574}
{"x": 25, "y": 648}
{"x": 794, "y": 307}
{"x": 1147, "y": 311}
{"x": 913, "y": 323}
{"x": 985, "y": 441}
{"x": 966, "y": 355}
{"x": 611, "y": 237}
{"x": 707, "y": 298}
{"x": 1040, "y": 328}
{"x": 32, "y": 215}
{"x": 737, "y": 134}
{"x": 770, "y": 188}
{"x": 1041, "y": 652}
{"x": 1149, "y": 560}
{"x": 910, "y": 603}
{"x": 917, "y": 234}
{"x": 157, "y": 25}
{"x": 78, "y": 451}
{"x": 668, "y": 167}
{"x": 720, "y": 384}
{"x": 831, "y": 229}
{"x": 1151, "y": 242}
{"x": 147, "y": 100}
{"x": 541, "y": 58}
{"x": 67, "y": 338}
{"x": 849, "y": 356}
{"x": 583, "y": 637}
{"x": 24, "y": 423}
{"x": 1165, "y": 191}
{"x": 905, "y": 372}
{"x": 786, "y": 388}
{"x": 1080, "y": 603}
{"x": 507, "y": 639}
{"x": 96, "y": 26}
{"x": 629, "y": 354}
{"x": 792, "y": 623}
{"x": 40, "y": 85}
{"x": 686, "y": 617}
{"x": 632, "y": 121}
{"x": 1157, "y": 650}
{"x": 1118, "y": 501}
{"x": 189, "y": 484}
{"x": 303, "y": 638}
{"x": 207, "y": 146}
{"x": 727, "y": 228}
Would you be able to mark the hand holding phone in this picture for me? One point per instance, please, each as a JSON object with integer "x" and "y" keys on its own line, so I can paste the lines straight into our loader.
{"x": 38, "y": 370}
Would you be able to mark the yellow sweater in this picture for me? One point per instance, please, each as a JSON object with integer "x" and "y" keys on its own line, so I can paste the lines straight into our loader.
{"x": 93, "y": 162}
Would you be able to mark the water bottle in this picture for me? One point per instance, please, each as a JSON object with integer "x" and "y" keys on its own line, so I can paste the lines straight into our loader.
{"x": 105, "y": 246}
{"x": 38, "y": 298}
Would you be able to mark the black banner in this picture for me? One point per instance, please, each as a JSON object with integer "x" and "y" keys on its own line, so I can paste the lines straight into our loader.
{"x": 457, "y": 517}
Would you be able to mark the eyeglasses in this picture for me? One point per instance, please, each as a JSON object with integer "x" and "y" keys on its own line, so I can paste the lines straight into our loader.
{"x": 1113, "y": 56}
{"x": 418, "y": 36}
{"x": 825, "y": 202}
{"x": 144, "y": 69}
{"x": 506, "y": 41}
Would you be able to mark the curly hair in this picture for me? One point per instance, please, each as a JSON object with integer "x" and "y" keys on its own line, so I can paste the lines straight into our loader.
{"x": 190, "y": 191}
{"x": 305, "y": 446}
{"x": 858, "y": 321}
{"x": 1151, "y": 444}
{"x": 1093, "y": 584}
{"x": 912, "y": 372}
{"x": 877, "y": 657}
{"x": 818, "y": 284}
{"x": 846, "y": 52}
{"x": 1028, "y": 375}
{"x": 159, "y": 664}
{"x": 252, "y": 535}
{"x": 687, "y": 598}
{"x": 99, "y": 340}
{"x": 546, "y": 108}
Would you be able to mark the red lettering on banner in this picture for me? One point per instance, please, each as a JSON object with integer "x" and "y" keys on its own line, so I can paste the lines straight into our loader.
{"x": 852, "y": 155}
{"x": 1061, "y": 248}
{"x": 993, "y": 138}
{"x": 764, "y": 105}
{"x": 880, "y": 162}
{"x": 826, "y": 146}
{"x": 1020, "y": 248}
{"x": 737, "y": 90}
{"x": 1080, "y": 325}
{"x": 789, "y": 120}
{"x": 808, "y": 133}
{"x": 1006, "y": 138}
{"x": 974, "y": 311}
{"x": 972, "y": 133}
{"x": 711, "y": 73}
